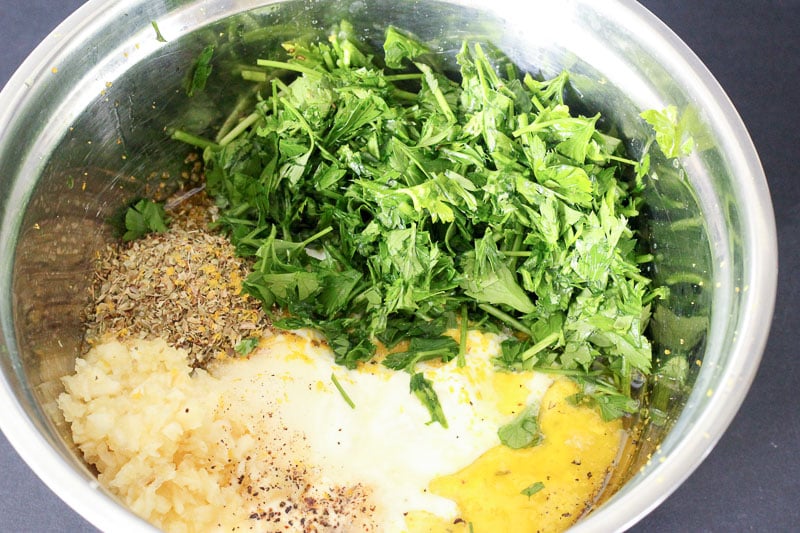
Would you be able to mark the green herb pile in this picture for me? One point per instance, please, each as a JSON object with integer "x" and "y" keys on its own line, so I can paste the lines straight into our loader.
{"x": 382, "y": 200}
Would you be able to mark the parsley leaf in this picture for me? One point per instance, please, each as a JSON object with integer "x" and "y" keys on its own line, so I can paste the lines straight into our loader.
{"x": 422, "y": 388}
{"x": 143, "y": 217}
{"x": 523, "y": 431}
{"x": 399, "y": 46}
{"x": 422, "y": 349}
{"x": 246, "y": 345}
{"x": 487, "y": 278}
{"x": 671, "y": 135}
{"x": 201, "y": 71}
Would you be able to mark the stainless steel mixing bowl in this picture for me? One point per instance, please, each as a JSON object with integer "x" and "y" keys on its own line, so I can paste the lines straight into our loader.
{"x": 82, "y": 130}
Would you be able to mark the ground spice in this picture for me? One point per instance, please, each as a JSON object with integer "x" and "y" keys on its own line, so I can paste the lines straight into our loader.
{"x": 183, "y": 285}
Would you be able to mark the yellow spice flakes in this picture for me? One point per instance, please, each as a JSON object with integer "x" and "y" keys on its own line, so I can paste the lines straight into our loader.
{"x": 183, "y": 285}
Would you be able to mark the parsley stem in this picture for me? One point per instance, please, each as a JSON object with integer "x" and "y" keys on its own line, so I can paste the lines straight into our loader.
{"x": 278, "y": 84}
{"x": 505, "y": 317}
{"x": 684, "y": 277}
{"x": 539, "y": 346}
{"x": 515, "y": 252}
{"x": 462, "y": 345}
{"x": 652, "y": 295}
{"x": 160, "y": 38}
{"x": 329, "y": 61}
{"x": 537, "y": 126}
{"x": 402, "y": 77}
{"x": 316, "y": 236}
{"x": 254, "y": 75}
{"x": 511, "y": 71}
{"x": 621, "y": 159}
{"x": 531, "y": 85}
{"x": 289, "y": 66}
{"x": 433, "y": 85}
{"x": 426, "y": 355}
{"x": 251, "y": 119}
{"x": 342, "y": 391}
{"x": 243, "y": 103}
{"x": 568, "y": 372}
{"x": 194, "y": 140}
{"x": 479, "y": 70}
{"x": 635, "y": 276}
{"x": 404, "y": 95}
{"x": 686, "y": 224}
{"x": 330, "y": 194}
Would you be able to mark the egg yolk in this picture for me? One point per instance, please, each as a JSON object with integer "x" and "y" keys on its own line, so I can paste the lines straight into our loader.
{"x": 569, "y": 468}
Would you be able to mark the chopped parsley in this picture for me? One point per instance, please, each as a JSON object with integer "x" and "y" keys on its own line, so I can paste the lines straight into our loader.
{"x": 246, "y": 345}
{"x": 523, "y": 431}
{"x": 341, "y": 390}
{"x": 532, "y": 489}
{"x": 670, "y": 132}
{"x": 142, "y": 217}
{"x": 160, "y": 38}
{"x": 201, "y": 71}
{"x": 422, "y": 388}
{"x": 381, "y": 198}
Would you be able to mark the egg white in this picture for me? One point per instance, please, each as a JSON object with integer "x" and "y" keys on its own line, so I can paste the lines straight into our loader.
{"x": 386, "y": 442}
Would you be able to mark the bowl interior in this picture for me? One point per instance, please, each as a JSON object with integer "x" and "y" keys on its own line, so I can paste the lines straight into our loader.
{"x": 85, "y": 129}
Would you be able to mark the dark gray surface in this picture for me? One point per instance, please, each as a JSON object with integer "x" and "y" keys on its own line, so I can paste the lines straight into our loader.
{"x": 751, "y": 480}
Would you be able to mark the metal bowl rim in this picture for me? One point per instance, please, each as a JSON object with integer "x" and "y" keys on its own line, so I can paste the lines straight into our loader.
{"x": 624, "y": 509}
